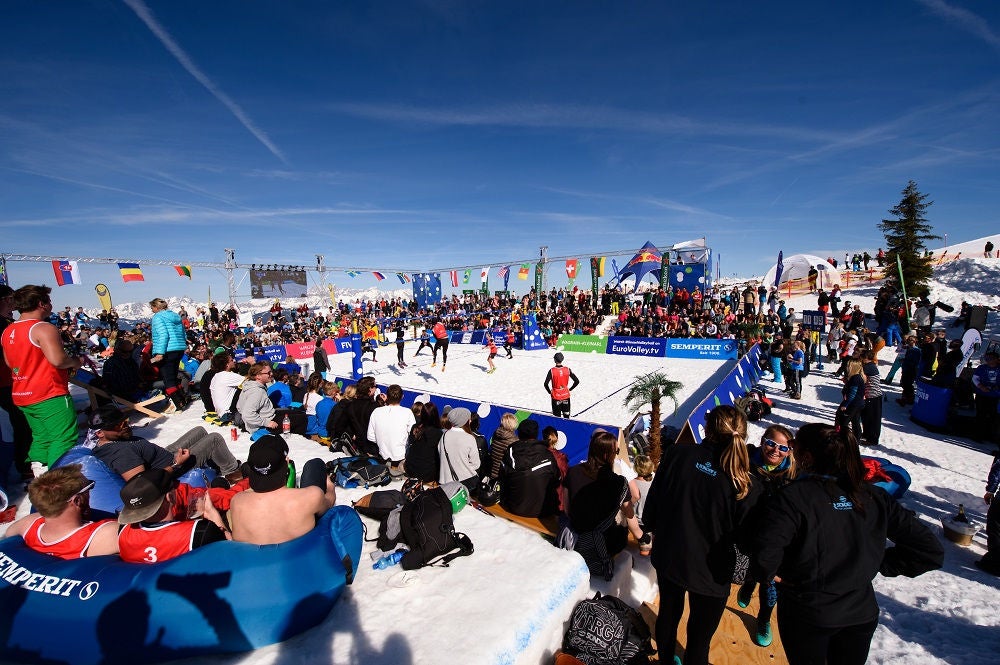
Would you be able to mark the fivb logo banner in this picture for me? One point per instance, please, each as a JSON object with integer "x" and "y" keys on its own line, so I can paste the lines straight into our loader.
{"x": 703, "y": 349}
{"x": 338, "y": 345}
{"x": 650, "y": 347}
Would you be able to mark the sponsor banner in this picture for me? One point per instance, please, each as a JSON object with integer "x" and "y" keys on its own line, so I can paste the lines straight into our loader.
{"x": 274, "y": 353}
{"x": 338, "y": 345}
{"x": 583, "y": 343}
{"x": 300, "y": 350}
{"x": 710, "y": 349}
{"x": 652, "y": 347}
{"x": 239, "y": 354}
{"x": 742, "y": 378}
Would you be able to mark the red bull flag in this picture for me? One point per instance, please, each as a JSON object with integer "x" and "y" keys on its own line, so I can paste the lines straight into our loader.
{"x": 648, "y": 261}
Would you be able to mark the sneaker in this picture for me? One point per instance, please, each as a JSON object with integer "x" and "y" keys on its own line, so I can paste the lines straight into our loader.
{"x": 678, "y": 661}
{"x": 646, "y": 544}
{"x": 490, "y": 371}
{"x": 433, "y": 364}
{"x": 763, "y": 636}
{"x": 744, "y": 594}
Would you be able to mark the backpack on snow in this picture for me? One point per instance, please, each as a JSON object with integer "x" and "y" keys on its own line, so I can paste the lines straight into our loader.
{"x": 351, "y": 472}
{"x": 755, "y": 404}
{"x": 344, "y": 444}
{"x": 427, "y": 526}
{"x": 604, "y": 630}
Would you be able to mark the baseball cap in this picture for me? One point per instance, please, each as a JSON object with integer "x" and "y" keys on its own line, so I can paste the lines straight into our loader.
{"x": 459, "y": 416}
{"x": 143, "y": 495}
{"x": 266, "y": 467}
{"x": 107, "y": 416}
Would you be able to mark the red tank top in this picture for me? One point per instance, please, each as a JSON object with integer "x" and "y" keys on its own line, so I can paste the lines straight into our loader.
{"x": 439, "y": 331}
{"x": 151, "y": 544}
{"x": 560, "y": 383}
{"x": 34, "y": 378}
{"x": 73, "y": 545}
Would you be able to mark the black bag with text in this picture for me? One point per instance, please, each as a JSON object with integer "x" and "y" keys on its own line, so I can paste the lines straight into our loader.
{"x": 606, "y": 631}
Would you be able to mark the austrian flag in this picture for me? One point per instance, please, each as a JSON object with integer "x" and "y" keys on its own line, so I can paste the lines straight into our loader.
{"x": 571, "y": 265}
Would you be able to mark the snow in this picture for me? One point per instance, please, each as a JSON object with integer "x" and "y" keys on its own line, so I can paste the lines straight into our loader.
{"x": 508, "y": 601}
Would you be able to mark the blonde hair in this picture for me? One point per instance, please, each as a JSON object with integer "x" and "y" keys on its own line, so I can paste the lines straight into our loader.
{"x": 157, "y": 304}
{"x": 644, "y": 467}
{"x": 257, "y": 368}
{"x": 727, "y": 426}
{"x": 508, "y": 421}
{"x": 350, "y": 392}
{"x": 853, "y": 367}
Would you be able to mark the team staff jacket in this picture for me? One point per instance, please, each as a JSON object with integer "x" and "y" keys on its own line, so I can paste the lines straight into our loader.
{"x": 155, "y": 542}
{"x": 826, "y": 552}
{"x": 71, "y": 546}
{"x": 693, "y": 503}
{"x": 34, "y": 378}
{"x": 557, "y": 382}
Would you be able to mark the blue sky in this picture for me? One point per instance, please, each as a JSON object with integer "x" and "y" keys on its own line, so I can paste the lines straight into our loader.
{"x": 438, "y": 134}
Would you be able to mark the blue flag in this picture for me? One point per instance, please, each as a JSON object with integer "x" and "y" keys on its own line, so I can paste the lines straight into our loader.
{"x": 614, "y": 267}
{"x": 780, "y": 268}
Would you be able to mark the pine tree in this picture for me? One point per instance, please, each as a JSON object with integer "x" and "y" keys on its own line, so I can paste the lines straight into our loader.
{"x": 905, "y": 237}
{"x": 650, "y": 389}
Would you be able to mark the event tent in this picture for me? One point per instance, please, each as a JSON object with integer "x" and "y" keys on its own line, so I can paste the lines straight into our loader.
{"x": 797, "y": 267}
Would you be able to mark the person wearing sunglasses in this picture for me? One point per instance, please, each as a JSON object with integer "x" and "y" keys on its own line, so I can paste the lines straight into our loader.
{"x": 823, "y": 540}
{"x": 772, "y": 464}
{"x": 257, "y": 414}
{"x": 61, "y": 527}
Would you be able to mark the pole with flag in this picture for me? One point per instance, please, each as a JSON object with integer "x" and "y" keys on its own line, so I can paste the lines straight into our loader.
{"x": 780, "y": 268}
{"x": 3, "y": 271}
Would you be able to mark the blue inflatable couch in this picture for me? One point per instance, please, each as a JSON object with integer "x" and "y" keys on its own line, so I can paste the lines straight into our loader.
{"x": 222, "y": 598}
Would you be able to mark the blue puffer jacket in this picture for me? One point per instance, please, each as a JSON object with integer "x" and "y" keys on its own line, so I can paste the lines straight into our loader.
{"x": 168, "y": 332}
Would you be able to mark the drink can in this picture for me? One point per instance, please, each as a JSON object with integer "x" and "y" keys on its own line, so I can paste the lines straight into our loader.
{"x": 233, "y": 433}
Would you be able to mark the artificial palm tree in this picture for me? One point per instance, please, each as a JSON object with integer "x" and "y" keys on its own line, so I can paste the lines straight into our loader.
{"x": 650, "y": 389}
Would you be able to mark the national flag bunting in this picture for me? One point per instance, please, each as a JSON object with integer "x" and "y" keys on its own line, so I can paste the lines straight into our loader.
{"x": 353, "y": 273}
{"x": 523, "y": 272}
{"x": 484, "y": 275}
{"x": 378, "y": 276}
{"x": 403, "y": 277}
{"x": 3, "y": 270}
{"x": 131, "y": 272}
{"x": 598, "y": 262}
{"x": 183, "y": 271}
{"x": 67, "y": 272}
{"x": 467, "y": 277}
{"x": 454, "y": 278}
{"x": 503, "y": 272}
{"x": 571, "y": 265}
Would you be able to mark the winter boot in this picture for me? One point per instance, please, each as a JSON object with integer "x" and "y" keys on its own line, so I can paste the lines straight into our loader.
{"x": 763, "y": 637}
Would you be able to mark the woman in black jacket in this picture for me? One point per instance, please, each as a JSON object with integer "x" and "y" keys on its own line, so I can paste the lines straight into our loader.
{"x": 823, "y": 540}
{"x": 422, "y": 459}
{"x": 697, "y": 505}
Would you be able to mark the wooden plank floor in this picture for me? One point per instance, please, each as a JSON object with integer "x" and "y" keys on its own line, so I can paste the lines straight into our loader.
{"x": 733, "y": 642}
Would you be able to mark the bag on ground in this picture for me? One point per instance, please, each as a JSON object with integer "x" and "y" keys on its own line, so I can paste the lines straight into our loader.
{"x": 428, "y": 528}
{"x": 604, "y": 630}
{"x": 351, "y": 472}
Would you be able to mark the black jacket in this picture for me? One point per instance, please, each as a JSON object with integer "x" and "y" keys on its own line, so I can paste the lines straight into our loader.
{"x": 530, "y": 480}
{"x": 827, "y": 553}
{"x": 693, "y": 510}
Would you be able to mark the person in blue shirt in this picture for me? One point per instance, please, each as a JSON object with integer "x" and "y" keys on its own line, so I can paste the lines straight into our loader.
{"x": 279, "y": 392}
{"x": 796, "y": 365}
{"x": 986, "y": 384}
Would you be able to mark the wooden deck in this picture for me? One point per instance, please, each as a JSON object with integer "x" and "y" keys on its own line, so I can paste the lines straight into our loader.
{"x": 733, "y": 642}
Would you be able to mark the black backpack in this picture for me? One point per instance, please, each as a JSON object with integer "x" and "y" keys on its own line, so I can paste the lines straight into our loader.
{"x": 428, "y": 528}
{"x": 344, "y": 444}
{"x": 606, "y": 631}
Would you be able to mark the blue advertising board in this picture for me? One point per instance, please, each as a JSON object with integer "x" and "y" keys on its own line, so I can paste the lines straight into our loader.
{"x": 702, "y": 349}
{"x": 744, "y": 376}
{"x": 651, "y": 347}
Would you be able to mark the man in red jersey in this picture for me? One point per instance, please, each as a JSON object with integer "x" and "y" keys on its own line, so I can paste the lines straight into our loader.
{"x": 155, "y": 518}
{"x": 60, "y": 527}
{"x": 557, "y": 384}
{"x": 40, "y": 367}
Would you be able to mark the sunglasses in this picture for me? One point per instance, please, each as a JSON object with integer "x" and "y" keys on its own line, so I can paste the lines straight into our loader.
{"x": 774, "y": 444}
{"x": 83, "y": 490}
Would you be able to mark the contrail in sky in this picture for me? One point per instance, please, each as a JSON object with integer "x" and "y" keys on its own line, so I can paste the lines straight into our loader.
{"x": 140, "y": 9}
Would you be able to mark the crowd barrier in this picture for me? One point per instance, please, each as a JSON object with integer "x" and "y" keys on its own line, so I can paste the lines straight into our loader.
{"x": 736, "y": 383}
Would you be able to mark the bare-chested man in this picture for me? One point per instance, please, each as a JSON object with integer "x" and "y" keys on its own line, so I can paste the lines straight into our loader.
{"x": 269, "y": 512}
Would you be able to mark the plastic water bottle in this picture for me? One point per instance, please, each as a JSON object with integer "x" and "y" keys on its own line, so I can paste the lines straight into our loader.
{"x": 286, "y": 426}
{"x": 389, "y": 560}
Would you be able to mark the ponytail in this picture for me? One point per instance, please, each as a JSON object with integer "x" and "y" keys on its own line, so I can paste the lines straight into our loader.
{"x": 727, "y": 426}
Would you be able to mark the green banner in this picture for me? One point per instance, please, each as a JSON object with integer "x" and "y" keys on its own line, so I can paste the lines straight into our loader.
{"x": 583, "y": 343}
{"x": 665, "y": 271}
{"x": 539, "y": 271}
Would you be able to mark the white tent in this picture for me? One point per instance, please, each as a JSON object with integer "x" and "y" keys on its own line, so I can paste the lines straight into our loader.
{"x": 797, "y": 267}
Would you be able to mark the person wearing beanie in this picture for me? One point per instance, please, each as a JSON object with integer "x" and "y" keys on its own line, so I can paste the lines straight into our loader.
{"x": 458, "y": 451}
{"x": 270, "y": 512}
{"x": 557, "y": 385}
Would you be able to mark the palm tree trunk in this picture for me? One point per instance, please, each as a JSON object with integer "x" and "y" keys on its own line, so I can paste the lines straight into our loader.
{"x": 654, "y": 431}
